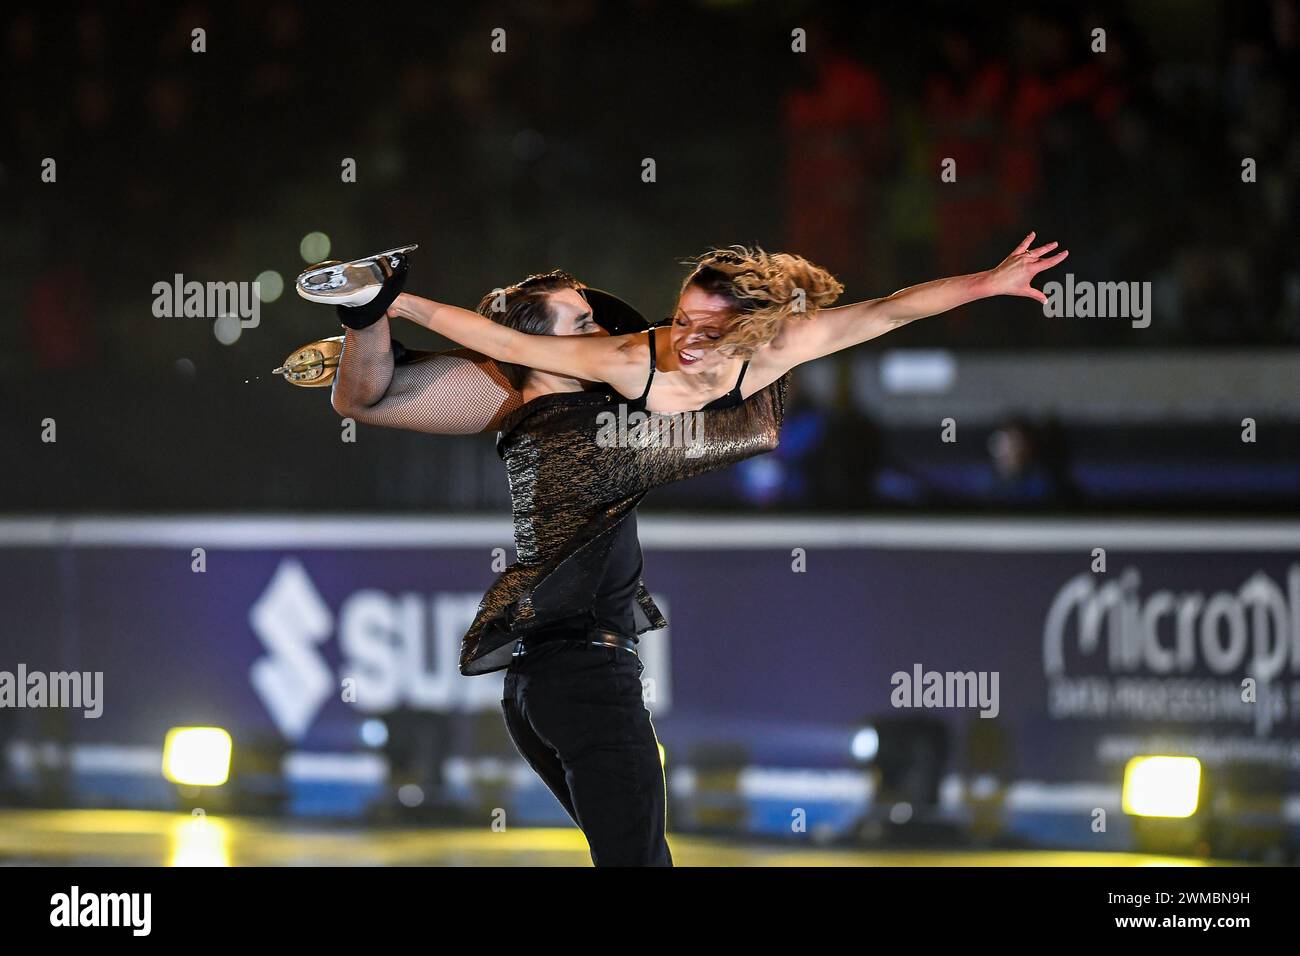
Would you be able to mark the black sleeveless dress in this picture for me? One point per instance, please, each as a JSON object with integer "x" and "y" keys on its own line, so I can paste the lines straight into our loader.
{"x": 570, "y": 495}
{"x": 722, "y": 401}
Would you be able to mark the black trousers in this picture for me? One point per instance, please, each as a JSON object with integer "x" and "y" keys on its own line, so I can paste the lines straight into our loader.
{"x": 575, "y": 713}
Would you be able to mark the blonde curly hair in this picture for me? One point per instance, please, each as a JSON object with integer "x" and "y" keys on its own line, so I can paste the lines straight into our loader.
{"x": 766, "y": 288}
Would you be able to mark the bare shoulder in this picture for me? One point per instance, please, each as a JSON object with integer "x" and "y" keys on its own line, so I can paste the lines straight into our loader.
{"x": 631, "y": 345}
{"x": 628, "y": 363}
{"x": 631, "y": 351}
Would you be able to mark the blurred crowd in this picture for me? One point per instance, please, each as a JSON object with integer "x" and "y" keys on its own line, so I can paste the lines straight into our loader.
{"x": 1132, "y": 156}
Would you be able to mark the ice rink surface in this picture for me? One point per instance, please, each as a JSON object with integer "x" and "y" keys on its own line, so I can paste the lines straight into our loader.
{"x": 146, "y": 838}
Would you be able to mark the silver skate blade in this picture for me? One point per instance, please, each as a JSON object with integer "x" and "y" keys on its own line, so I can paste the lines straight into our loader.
{"x": 350, "y": 283}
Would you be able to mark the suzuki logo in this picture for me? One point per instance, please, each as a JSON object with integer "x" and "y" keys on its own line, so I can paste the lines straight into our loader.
{"x": 290, "y": 620}
{"x": 394, "y": 650}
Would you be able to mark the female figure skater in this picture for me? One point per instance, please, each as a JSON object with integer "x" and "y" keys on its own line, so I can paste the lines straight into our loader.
{"x": 744, "y": 318}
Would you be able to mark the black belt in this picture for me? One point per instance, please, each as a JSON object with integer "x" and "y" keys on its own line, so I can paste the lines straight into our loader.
{"x": 587, "y": 639}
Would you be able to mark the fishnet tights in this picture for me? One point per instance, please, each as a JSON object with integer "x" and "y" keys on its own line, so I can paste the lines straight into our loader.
{"x": 458, "y": 392}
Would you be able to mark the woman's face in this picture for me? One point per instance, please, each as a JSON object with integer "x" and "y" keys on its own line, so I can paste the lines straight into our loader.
{"x": 701, "y": 319}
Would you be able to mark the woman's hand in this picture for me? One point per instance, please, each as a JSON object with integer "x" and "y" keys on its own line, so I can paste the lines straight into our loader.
{"x": 405, "y": 306}
{"x": 1013, "y": 275}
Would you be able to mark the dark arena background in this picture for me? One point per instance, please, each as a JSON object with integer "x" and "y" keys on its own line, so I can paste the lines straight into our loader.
{"x": 232, "y": 618}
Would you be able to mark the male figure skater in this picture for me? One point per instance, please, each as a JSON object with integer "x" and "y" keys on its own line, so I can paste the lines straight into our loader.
{"x": 564, "y": 618}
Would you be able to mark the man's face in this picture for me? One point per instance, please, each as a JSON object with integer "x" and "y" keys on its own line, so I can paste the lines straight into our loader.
{"x": 572, "y": 314}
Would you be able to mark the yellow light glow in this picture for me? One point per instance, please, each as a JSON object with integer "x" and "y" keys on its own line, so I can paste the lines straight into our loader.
{"x": 663, "y": 756}
{"x": 199, "y": 841}
{"x": 1162, "y": 786}
{"x": 197, "y": 756}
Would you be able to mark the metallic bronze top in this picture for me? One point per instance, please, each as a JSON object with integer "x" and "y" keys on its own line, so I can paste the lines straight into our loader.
{"x": 571, "y": 488}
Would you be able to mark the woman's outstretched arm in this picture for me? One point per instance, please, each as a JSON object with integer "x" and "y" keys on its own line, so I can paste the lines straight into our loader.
{"x": 615, "y": 360}
{"x": 440, "y": 393}
{"x": 830, "y": 330}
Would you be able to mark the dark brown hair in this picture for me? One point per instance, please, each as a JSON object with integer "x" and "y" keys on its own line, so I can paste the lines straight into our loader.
{"x": 525, "y": 307}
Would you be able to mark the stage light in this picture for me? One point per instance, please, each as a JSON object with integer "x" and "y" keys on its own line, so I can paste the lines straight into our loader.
{"x": 315, "y": 247}
{"x": 865, "y": 745}
{"x": 199, "y": 840}
{"x": 410, "y": 795}
{"x": 918, "y": 371}
{"x": 197, "y": 756}
{"x": 900, "y": 813}
{"x": 374, "y": 732}
{"x": 270, "y": 285}
{"x": 226, "y": 329}
{"x": 1162, "y": 786}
